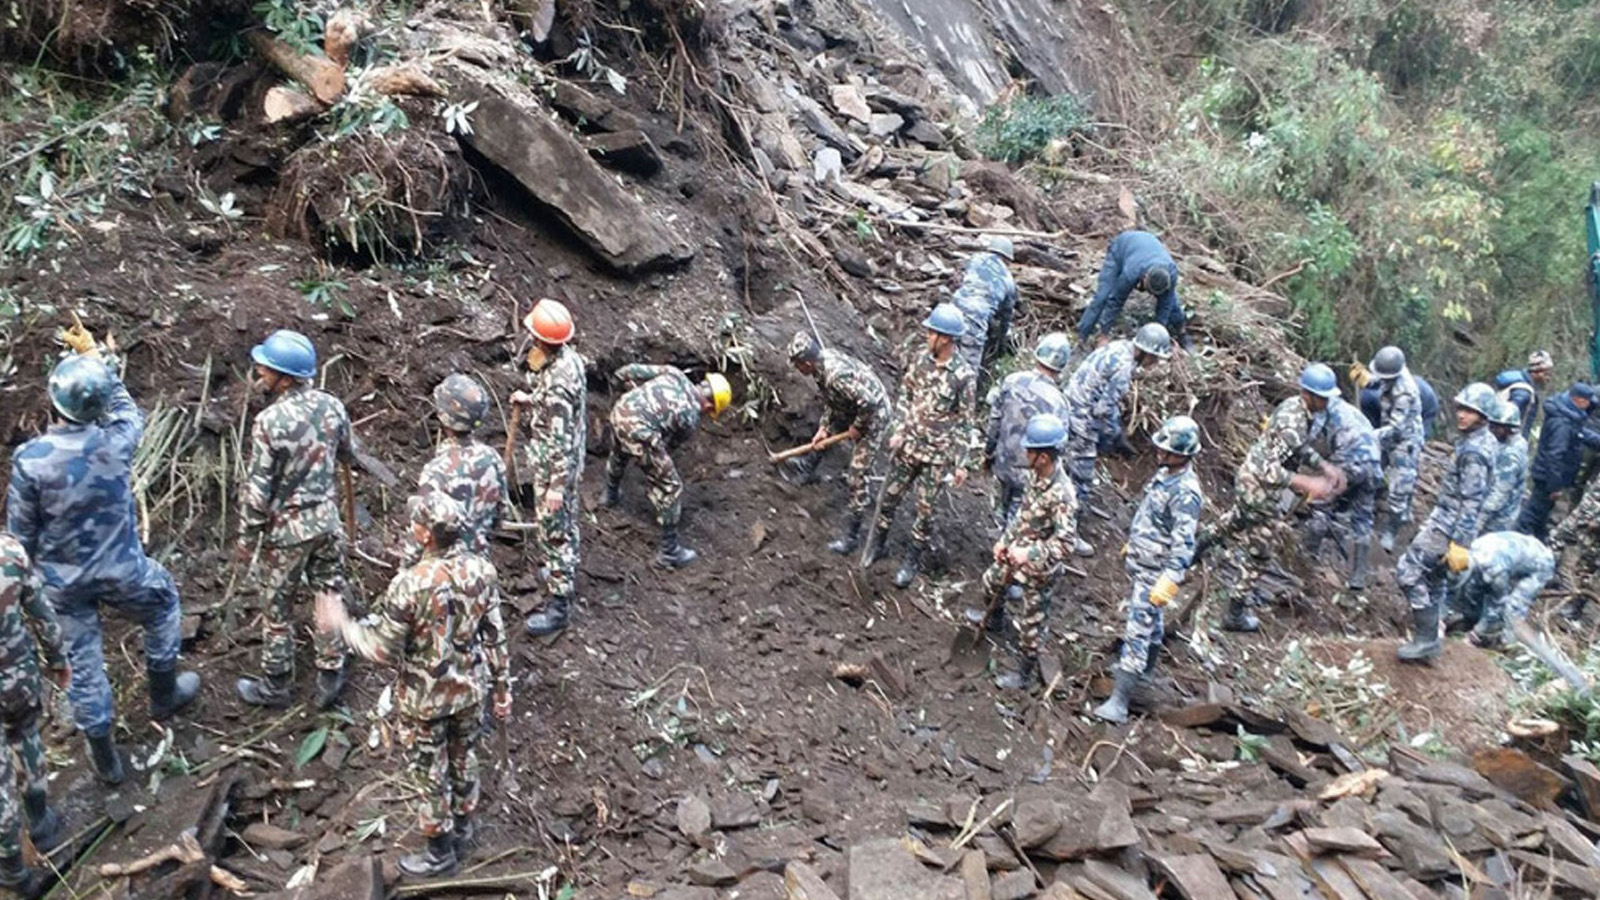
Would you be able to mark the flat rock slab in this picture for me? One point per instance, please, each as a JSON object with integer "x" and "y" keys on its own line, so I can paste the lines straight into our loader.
{"x": 355, "y": 879}
{"x": 803, "y": 883}
{"x": 630, "y": 151}
{"x": 1196, "y": 876}
{"x": 558, "y": 173}
{"x": 886, "y": 870}
{"x": 264, "y": 836}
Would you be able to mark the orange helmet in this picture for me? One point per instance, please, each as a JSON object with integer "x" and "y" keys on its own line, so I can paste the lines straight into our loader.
{"x": 549, "y": 322}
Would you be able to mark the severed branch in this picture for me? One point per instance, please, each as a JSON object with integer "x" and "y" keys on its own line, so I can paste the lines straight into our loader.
{"x": 404, "y": 79}
{"x": 321, "y": 76}
{"x": 186, "y": 851}
{"x": 228, "y": 881}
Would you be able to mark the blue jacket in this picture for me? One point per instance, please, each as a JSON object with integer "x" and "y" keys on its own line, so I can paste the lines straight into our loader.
{"x": 71, "y": 503}
{"x": 1130, "y": 255}
{"x": 1561, "y": 444}
{"x": 1515, "y": 385}
{"x": 1425, "y": 392}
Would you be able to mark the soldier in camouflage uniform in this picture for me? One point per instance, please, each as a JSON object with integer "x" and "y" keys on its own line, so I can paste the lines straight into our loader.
{"x": 71, "y": 505}
{"x": 987, "y": 299}
{"x": 1094, "y": 403}
{"x": 854, "y": 401}
{"x": 661, "y": 409}
{"x": 289, "y": 514}
{"x": 463, "y": 466}
{"x": 28, "y": 627}
{"x": 1579, "y": 532}
{"x": 437, "y": 622}
{"x": 933, "y": 435}
{"x": 1269, "y": 466}
{"x": 1510, "y": 470}
{"x": 1012, "y": 405}
{"x": 1441, "y": 543}
{"x": 1352, "y": 446}
{"x": 1400, "y": 434}
{"x": 1036, "y": 544}
{"x": 1161, "y": 546}
{"x": 558, "y": 396}
{"x": 1505, "y": 572}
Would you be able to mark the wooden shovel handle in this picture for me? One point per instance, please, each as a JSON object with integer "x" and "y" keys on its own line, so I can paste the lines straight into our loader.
{"x": 803, "y": 449}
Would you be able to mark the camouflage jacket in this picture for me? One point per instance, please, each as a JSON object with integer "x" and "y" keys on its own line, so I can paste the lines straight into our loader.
{"x": 1500, "y": 508}
{"x": 1465, "y": 487}
{"x": 935, "y": 412}
{"x": 437, "y": 622}
{"x": 1046, "y": 525}
{"x": 291, "y": 492}
{"x": 559, "y": 424}
{"x": 1094, "y": 392}
{"x": 1352, "y": 441}
{"x": 1161, "y": 537}
{"x": 1012, "y": 402}
{"x": 852, "y": 392}
{"x": 990, "y": 272}
{"x": 474, "y": 475}
{"x": 1581, "y": 526}
{"x": 1400, "y": 413}
{"x": 1284, "y": 445}
{"x": 662, "y": 403}
{"x": 28, "y": 625}
{"x": 1512, "y": 567}
{"x": 71, "y": 504}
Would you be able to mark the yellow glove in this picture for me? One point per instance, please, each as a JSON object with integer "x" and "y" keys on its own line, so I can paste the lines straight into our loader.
{"x": 1124, "y": 551}
{"x": 1457, "y": 557}
{"x": 1360, "y": 375}
{"x": 79, "y": 338}
{"x": 1164, "y": 590}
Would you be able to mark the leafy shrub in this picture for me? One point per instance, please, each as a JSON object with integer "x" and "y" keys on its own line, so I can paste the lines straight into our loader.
{"x": 1024, "y": 127}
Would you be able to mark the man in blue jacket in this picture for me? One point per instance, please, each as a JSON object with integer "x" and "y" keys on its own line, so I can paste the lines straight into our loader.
{"x": 1555, "y": 467}
{"x": 1521, "y": 387}
{"x": 1136, "y": 259}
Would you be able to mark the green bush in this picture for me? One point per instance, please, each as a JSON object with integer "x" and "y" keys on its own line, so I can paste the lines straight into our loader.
{"x": 1024, "y": 127}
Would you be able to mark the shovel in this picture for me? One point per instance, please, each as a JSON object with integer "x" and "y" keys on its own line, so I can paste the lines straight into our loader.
{"x": 968, "y": 647}
{"x": 803, "y": 449}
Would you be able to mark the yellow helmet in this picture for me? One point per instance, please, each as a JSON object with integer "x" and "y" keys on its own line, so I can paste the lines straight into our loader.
{"x": 721, "y": 393}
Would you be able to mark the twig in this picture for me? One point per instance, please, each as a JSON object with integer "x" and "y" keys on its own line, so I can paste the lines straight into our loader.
{"x": 491, "y": 882}
{"x": 961, "y": 840}
{"x": 226, "y": 757}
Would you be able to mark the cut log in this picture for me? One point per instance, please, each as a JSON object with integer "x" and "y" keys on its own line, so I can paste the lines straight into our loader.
{"x": 557, "y": 173}
{"x": 344, "y": 29}
{"x": 321, "y": 76}
{"x": 283, "y": 105}
{"x": 406, "y": 80}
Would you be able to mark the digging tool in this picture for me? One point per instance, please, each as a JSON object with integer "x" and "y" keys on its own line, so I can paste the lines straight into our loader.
{"x": 347, "y": 484}
{"x": 1549, "y": 654}
{"x": 508, "y": 775}
{"x": 966, "y": 648}
{"x": 509, "y": 456}
{"x": 803, "y": 449}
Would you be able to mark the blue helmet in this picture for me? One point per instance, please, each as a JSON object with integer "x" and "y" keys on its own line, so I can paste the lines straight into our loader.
{"x": 946, "y": 319}
{"x": 1152, "y": 338}
{"x": 1054, "y": 350}
{"x": 1180, "y": 435}
{"x": 289, "y": 352}
{"x": 1319, "y": 379}
{"x": 80, "y": 388}
{"x": 1478, "y": 397}
{"x": 1045, "y": 431}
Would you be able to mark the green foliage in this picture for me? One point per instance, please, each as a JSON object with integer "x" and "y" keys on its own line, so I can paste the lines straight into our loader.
{"x": 1250, "y": 745}
{"x": 1024, "y": 127}
{"x": 328, "y": 293}
{"x": 299, "y": 27}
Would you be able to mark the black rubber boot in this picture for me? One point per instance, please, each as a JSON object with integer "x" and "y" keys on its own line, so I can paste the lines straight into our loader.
{"x": 272, "y": 691}
{"x": 876, "y": 545}
{"x": 171, "y": 691}
{"x": 466, "y": 837}
{"x": 613, "y": 492}
{"x": 1316, "y": 534}
{"x": 24, "y": 881}
{"x": 908, "y": 566}
{"x": 104, "y": 758}
{"x": 439, "y": 858}
{"x": 673, "y": 555}
{"x": 1115, "y": 709}
{"x": 1487, "y": 638}
{"x": 1238, "y": 616}
{"x": 1572, "y": 610}
{"x": 1152, "y": 656}
{"x": 44, "y": 824}
{"x": 1425, "y": 643}
{"x": 551, "y": 619}
{"x": 850, "y": 540}
{"x": 1360, "y": 550}
{"x": 1021, "y": 675}
{"x": 330, "y": 684}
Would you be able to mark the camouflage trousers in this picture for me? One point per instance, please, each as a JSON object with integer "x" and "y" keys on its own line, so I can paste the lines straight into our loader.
{"x": 150, "y": 598}
{"x": 661, "y": 474}
{"x": 288, "y": 574}
{"x": 1421, "y": 571}
{"x": 1032, "y": 623}
{"x": 444, "y": 765}
{"x": 19, "y": 711}
{"x": 1146, "y": 627}
{"x": 862, "y": 452}
{"x": 1246, "y": 533}
{"x": 1496, "y": 612}
{"x": 556, "y": 542}
{"x": 1007, "y": 501}
{"x": 904, "y": 474}
{"x": 1400, "y": 475}
{"x": 1083, "y": 449}
{"x": 1351, "y": 514}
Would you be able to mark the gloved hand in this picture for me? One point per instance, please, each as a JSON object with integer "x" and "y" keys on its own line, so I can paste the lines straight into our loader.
{"x": 79, "y": 338}
{"x": 1360, "y": 375}
{"x": 1163, "y": 592}
{"x": 1457, "y": 557}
